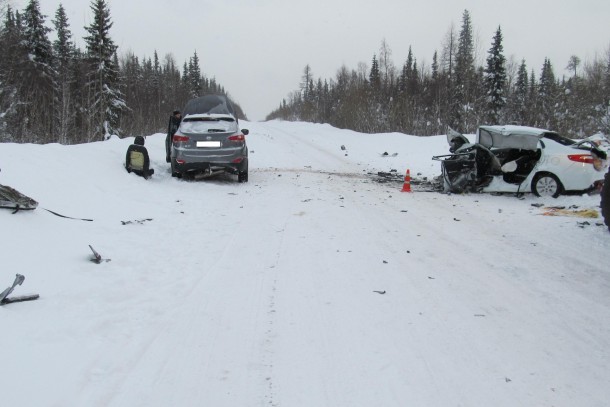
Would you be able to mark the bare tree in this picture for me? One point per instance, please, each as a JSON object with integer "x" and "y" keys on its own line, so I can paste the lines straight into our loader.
{"x": 386, "y": 66}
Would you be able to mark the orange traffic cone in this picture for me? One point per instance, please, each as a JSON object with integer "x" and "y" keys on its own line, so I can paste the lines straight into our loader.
{"x": 407, "y": 185}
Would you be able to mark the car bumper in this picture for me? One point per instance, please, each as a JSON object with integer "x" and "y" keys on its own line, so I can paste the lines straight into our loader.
{"x": 232, "y": 167}
{"x": 232, "y": 160}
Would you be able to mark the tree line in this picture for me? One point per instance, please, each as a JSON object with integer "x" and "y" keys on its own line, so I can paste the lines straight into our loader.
{"x": 52, "y": 91}
{"x": 455, "y": 91}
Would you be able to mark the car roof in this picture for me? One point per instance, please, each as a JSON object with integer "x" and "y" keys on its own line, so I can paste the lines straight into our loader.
{"x": 510, "y": 136}
{"x": 213, "y": 104}
{"x": 208, "y": 115}
{"x": 513, "y": 129}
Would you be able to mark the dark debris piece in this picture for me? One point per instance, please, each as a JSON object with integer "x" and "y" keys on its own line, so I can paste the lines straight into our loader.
{"x": 138, "y": 221}
{"x": 97, "y": 258}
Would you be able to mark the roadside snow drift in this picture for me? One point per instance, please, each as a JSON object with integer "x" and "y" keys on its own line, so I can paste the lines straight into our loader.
{"x": 313, "y": 284}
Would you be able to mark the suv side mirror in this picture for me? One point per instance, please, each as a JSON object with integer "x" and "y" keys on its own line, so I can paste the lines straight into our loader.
{"x": 245, "y": 131}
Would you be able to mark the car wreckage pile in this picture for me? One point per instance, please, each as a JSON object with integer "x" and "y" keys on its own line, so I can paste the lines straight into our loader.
{"x": 12, "y": 199}
{"x": 518, "y": 159}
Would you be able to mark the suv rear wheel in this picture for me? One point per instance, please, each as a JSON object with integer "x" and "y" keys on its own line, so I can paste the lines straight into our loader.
{"x": 175, "y": 173}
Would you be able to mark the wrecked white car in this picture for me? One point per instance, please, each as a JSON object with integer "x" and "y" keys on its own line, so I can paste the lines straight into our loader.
{"x": 519, "y": 159}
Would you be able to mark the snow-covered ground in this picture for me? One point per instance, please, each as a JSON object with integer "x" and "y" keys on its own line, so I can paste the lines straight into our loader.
{"x": 269, "y": 293}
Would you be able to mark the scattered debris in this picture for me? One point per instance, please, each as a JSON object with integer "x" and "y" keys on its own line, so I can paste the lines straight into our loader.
{"x": 579, "y": 213}
{"x": 385, "y": 262}
{"x": 138, "y": 221}
{"x": 379, "y": 292}
{"x": 537, "y": 205}
{"x": 456, "y": 219}
{"x": 12, "y": 199}
{"x": 418, "y": 184}
{"x": 67, "y": 217}
{"x": 479, "y": 315}
{"x": 4, "y": 295}
{"x": 97, "y": 258}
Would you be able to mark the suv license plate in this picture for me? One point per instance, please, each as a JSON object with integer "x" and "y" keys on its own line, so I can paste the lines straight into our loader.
{"x": 208, "y": 144}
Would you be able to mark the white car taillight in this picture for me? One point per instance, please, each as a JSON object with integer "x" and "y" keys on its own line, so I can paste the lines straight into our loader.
{"x": 597, "y": 162}
{"x": 581, "y": 158}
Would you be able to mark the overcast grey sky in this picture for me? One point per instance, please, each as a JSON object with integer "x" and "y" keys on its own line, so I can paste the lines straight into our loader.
{"x": 257, "y": 49}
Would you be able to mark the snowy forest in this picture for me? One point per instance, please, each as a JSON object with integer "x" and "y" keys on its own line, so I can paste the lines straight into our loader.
{"x": 52, "y": 91}
{"x": 456, "y": 91}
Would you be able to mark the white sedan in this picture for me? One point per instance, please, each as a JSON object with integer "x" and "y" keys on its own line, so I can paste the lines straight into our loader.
{"x": 521, "y": 159}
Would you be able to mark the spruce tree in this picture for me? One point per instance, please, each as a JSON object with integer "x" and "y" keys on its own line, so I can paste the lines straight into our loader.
{"x": 305, "y": 79}
{"x": 105, "y": 98}
{"x": 546, "y": 96}
{"x": 195, "y": 83}
{"x": 374, "y": 76}
{"x": 64, "y": 59}
{"x": 408, "y": 74}
{"x": 38, "y": 75}
{"x": 464, "y": 75}
{"x": 14, "y": 58}
{"x": 519, "y": 105}
{"x": 156, "y": 83}
{"x": 532, "y": 100}
{"x": 36, "y": 37}
{"x": 495, "y": 79}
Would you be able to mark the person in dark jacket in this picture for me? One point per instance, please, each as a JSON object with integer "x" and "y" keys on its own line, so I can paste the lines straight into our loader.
{"x": 137, "y": 160}
{"x": 172, "y": 128}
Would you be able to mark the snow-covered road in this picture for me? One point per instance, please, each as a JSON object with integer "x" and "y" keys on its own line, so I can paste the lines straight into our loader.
{"x": 311, "y": 285}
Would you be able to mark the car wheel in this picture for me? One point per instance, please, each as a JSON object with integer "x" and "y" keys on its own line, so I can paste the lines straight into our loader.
{"x": 605, "y": 203}
{"x": 242, "y": 176}
{"x": 175, "y": 173}
{"x": 546, "y": 184}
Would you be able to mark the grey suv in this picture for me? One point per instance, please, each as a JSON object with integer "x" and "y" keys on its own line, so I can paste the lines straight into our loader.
{"x": 209, "y": 141}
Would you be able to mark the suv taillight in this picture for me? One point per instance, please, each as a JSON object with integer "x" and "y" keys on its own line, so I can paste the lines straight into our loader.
{"x": 237, "y": 137}
{"x": 178, "y": 139}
